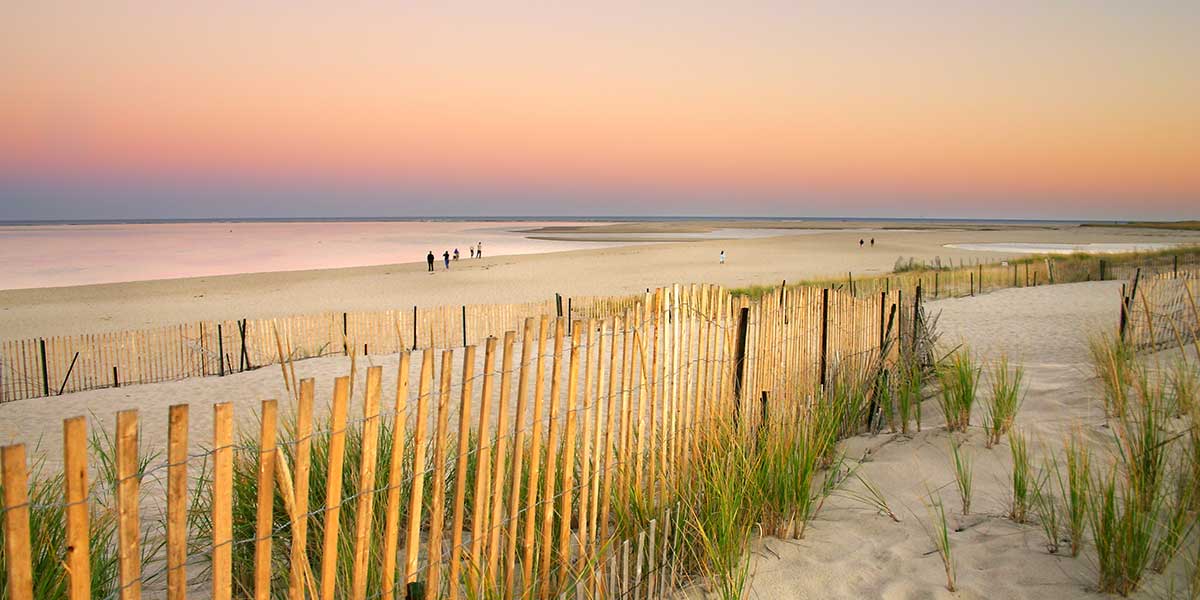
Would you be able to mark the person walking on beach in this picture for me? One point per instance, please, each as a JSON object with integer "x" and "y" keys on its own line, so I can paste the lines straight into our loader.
{"x": 872, "y": 242}
{"x": 456, "y": 255}
{"x": 722, "y": 257}
{"x": 429, "y": 259}
{"x": 446, "y": 258}
{"x": 860, "y": 243}
{"x": 472, "y": 249}
{"x": 479, "y": 250}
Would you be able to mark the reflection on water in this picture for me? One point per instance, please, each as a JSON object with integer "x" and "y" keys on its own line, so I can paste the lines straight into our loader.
{"x": 62, "y": 255}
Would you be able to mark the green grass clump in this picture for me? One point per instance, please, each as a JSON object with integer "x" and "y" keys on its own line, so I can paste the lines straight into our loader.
{"x": 1004, "y": 402}
{"x": 1074, "y": 488}
{"x": 1045, "y": 504}
{"x": 1184, "y": 380}
{"x": 910, "y": 378}
{"x": 1022, "y": 477}
{"x": 963, "y": 474}
{"x": 959, "y": 377}
{"x": 939, "y": 534}
{"x": 1123, "y": 532}
{"x": 719, "y": 517}
{"x": 1112, "y": 362}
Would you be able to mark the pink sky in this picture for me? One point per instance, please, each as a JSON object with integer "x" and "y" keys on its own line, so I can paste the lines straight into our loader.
{"x": 946, "y": 109}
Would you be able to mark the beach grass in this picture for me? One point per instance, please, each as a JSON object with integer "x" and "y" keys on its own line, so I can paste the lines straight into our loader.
{"x": 959, "y": 378}
{"x": 1022, "y": 477}
{"x": 1005, "y": 401}
{"x": 963, "y": 473}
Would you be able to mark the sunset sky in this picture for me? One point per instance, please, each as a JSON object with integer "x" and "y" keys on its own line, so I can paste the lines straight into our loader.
{"x": 1087, "y": 109}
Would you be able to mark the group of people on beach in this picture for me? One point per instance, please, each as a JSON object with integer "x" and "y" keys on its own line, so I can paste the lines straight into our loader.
{"x": 476, "y": 252}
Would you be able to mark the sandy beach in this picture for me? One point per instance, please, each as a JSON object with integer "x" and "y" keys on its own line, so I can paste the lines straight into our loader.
{"x": 850, "y": 551}
{"x": 810, "y": 250}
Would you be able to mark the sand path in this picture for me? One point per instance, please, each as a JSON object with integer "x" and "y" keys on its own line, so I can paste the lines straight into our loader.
{"x": 851, "y": 552}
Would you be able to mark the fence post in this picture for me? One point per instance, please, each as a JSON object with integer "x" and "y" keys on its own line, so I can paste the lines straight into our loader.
{"x": 464, "y": 325}
{"x": 739, "y": 362}
{"x": 116, "y": 382}
{"x": 764, "y": 416}
{"x": 935, "y": 284}
{"x": 1175, "y": 266}
{"x": 244, "y": 359}
{"x": 45, "y": 373}
{"x": 916, "y": 320}
{"x": 221, "y": 349}
{"x": 414, "y": 327}
{"x": 1124, "y": 314}
{"x": 1102, "y": 269}
{"x": 345, "y": 334}
{"x": 16, "y": 523}
{"x": 824, "y": 333}
{"x": 972, "y": 283}
{"x": 882, "y": 317}
{"x": 67, "y": 377}
{"x": 558, "y": 304}
{"x": 850, "y": 282}
{"x": 570, "y": 319}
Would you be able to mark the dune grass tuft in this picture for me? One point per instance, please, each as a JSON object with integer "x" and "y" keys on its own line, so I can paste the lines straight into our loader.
{"x": 959, "y": 377}
{"x": 1004, "y": 402}
{"x": 1022, "y": 477}
{"x": 963, "y": 473}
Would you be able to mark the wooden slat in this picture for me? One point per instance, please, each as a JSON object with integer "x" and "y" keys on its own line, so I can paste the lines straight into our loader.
{"x": 412, "y": 544}
{"x": 264, "y": 507}
{"x": 391, "y": 528}
{"x": 222, "y": 504}
{"x": 365, "y": 509}
{"x": 128, "y": 488}
{"x": 75, "y": 476}
{"x": 299, "y": 574}
{"x": 494, "y": 526}
{"x": 460, "y": 472}
{"x": 550, "y": 479}
{"x": 481, "y": 496}
{"x": 568, "y": 465}
{"x": 514, "y": 497}
{"x": 177, "y": 446}
{"x": 333, "y": 487}
{"x": 437, "y": 495}
{"x": 531, "y": 491}
{"x": 17, "y": 550}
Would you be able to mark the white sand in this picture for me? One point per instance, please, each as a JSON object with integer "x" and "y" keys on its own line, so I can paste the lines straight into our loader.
{"x": 851, "y": 552}
{"x": 609, "y": 271}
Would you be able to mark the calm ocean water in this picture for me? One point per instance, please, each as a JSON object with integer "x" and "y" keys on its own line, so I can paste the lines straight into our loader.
{"x": 50, "y": 255}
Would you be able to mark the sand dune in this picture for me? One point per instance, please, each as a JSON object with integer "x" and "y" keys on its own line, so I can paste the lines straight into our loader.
{"x": 851, "y": 552}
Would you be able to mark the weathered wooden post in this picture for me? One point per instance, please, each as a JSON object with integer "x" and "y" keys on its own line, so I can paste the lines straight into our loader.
{"x": 68, "y": 376}
{"x": 345, "y": 334}
{"x": 882, "y": 317}
{"x": 824, "y": 334}
{"x": 935, "y": 284}
{"x": 116, "y": 382}
{"x": 221, "y": 349}
{"x": 1124, "y": 314}
{"x": 414, "y": 327}
{"x": 1175, "y": 266}
{"x": 972, "y": 274}
{"x": 45, "y": 373}
{"x": 916, "y": 320}
{"x": 464, "y": 325}
{"x": 739, "y": 362}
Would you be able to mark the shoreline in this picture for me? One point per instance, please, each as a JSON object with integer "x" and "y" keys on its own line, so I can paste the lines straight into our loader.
{"x": 44, "y": 312}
